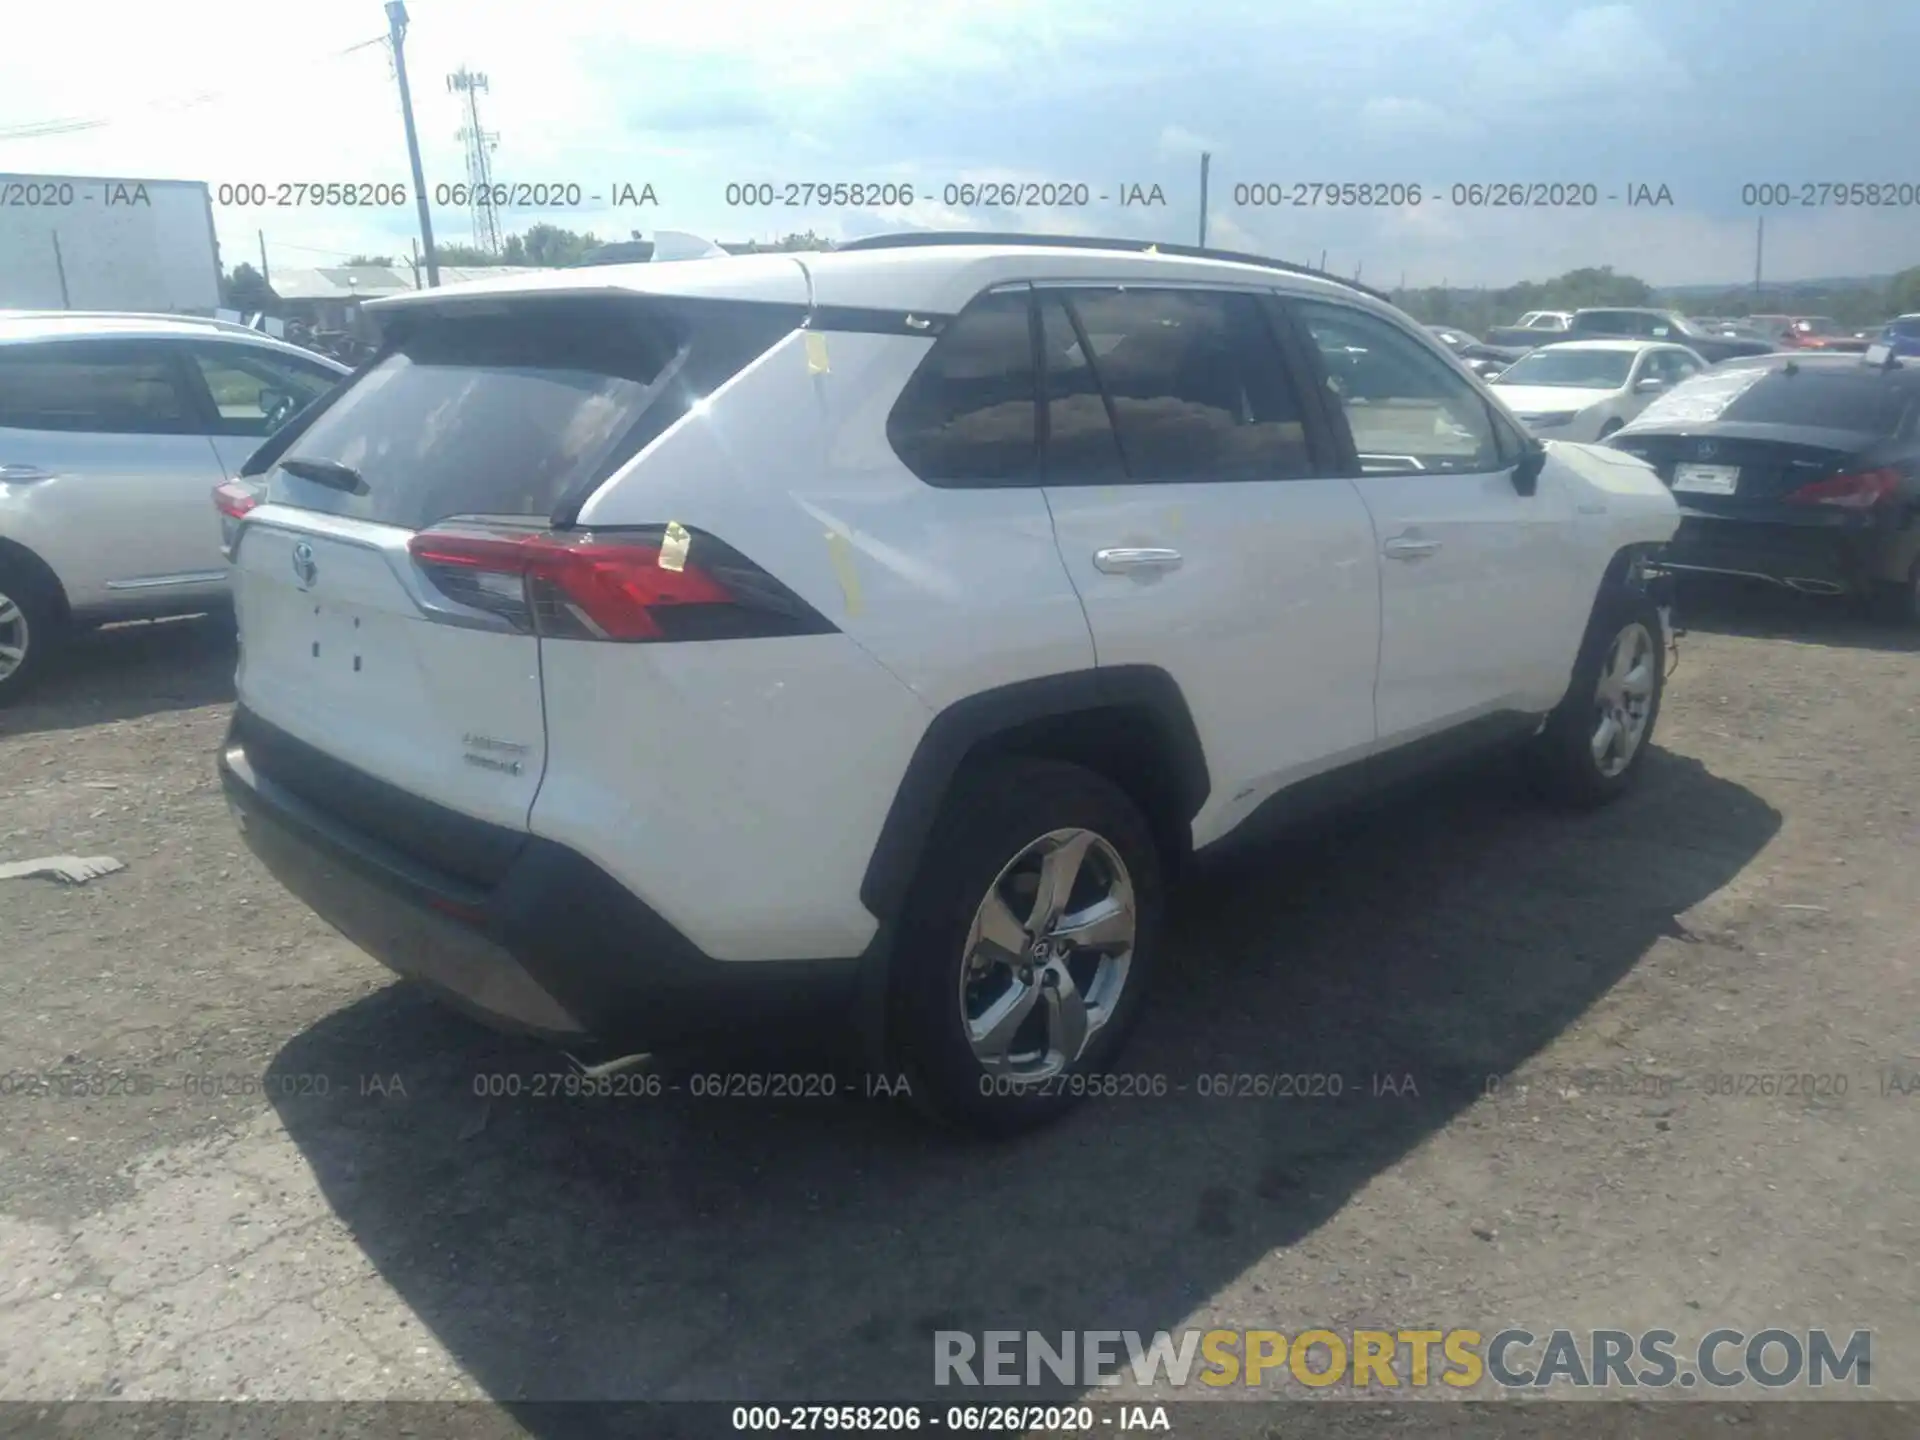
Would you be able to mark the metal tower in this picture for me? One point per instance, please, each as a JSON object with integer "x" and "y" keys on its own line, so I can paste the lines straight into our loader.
{"x": 480, "y": 144}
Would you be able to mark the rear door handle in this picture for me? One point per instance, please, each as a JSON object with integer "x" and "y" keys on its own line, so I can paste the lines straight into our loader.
{"x": 20, "y": 474}
{"x": 1402, "y": 547}
{"x": 1124, "y": 561}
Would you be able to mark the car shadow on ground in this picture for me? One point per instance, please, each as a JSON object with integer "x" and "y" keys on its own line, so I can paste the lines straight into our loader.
{"x": 1727, "y": 606}
{"x": 680, "y": 1248}
{"x": 121, "y": 672}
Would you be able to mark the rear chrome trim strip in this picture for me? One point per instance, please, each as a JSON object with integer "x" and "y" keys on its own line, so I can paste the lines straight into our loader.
{"x": 161, "y": 582}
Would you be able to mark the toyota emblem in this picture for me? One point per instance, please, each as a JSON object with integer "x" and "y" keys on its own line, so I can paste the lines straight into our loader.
{"x": 304, "y": 569}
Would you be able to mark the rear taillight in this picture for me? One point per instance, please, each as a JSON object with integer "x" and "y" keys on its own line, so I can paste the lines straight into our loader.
{"x": 1861, "y": 490}
{"x": 234, "y": 499}
{"x": 657, "y": 583}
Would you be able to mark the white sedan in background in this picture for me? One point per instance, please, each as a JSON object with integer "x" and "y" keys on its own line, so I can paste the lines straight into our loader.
{"x": 1587, "y": 389}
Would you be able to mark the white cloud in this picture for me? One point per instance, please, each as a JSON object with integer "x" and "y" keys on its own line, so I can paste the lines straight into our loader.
{"x": 692, "y": 97}
{"x": 1177, "y": 140}
{"x": 1395, "y": 117}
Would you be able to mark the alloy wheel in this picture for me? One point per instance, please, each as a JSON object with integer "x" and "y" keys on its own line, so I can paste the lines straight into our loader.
{"x": 1623, "y": 699}
{"x": 1047, "y": 956}
{"x": 15, "y": 636}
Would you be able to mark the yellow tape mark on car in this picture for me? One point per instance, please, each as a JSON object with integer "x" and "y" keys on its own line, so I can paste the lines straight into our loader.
{"x": 816, "y": 344}
{"x": 673, "y": 546}
{"x": 840, "y": 553}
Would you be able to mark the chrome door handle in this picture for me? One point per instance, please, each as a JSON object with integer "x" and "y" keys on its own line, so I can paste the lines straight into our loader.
{"x": 1403, "y": 548}
{"x": 1125, "y": 560}
{"x": 20, "y": 474}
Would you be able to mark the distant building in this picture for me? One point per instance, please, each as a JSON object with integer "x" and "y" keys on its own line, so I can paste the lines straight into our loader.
{"x": 328, "y": 299}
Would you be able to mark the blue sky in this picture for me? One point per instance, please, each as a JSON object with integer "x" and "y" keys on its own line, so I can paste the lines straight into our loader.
{"x": 1700, "y": 97}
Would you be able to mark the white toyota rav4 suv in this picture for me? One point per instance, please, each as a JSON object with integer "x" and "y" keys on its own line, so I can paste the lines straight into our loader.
{"x": 646, "y": 653}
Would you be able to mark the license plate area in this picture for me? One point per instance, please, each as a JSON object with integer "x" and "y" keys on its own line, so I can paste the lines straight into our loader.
{"x": 1706, "y": 479}
{"x": 333, "y": 638}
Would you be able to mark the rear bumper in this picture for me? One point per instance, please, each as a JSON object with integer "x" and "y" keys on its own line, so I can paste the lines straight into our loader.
{"x": 555, "y": 948}
{"x": 1816, "y": 558}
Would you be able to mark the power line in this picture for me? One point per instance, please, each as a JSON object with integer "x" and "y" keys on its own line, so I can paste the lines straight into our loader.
{"x": 40, "y": 129}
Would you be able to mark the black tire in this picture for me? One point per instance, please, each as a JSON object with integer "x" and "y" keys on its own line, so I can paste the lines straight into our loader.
{"x": 1000, "y": 808}
{"x": 1608, "y": 429}
{"x": 37, "y": 604}
{"x": 1563, "y": 756}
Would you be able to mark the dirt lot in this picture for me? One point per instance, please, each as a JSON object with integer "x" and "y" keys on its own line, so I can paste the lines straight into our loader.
{"x": 342, "y": 1216}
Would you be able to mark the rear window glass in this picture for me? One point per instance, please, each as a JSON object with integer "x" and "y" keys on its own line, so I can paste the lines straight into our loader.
{"x": 1863, "y": 401}
{"x": 521, "y": 411}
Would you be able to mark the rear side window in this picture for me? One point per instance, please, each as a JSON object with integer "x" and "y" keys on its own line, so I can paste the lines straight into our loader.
{"x": 966, "y": 417}
{"x": 101, "y": 388}
{"x": 524, "y": 410}
{"x": 1198, "y": 388}
{"x": 1863, "y": 400}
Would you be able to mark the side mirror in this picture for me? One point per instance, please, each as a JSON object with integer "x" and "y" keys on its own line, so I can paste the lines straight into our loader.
{"x": 1650, "y": 385}
{"x": 1526, "y": 474}
{"x": 277, "y": 406}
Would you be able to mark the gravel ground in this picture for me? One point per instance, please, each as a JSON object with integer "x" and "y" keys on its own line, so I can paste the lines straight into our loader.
{"x": 290, "y": 1189}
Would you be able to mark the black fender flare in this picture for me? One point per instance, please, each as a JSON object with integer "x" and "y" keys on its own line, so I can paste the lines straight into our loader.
{"x": 968, "y": 725}
{"x": 976, "y": 723}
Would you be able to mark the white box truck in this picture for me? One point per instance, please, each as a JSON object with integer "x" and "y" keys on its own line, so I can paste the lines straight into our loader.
{"x": 78, "y": 242}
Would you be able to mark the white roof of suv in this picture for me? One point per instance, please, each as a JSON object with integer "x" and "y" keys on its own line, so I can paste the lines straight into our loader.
{"x": 931, "y": 274}
{"x": 21, "y": 326}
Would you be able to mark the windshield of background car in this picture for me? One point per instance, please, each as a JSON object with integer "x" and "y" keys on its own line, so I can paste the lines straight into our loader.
{"x": 1574, "y": 369}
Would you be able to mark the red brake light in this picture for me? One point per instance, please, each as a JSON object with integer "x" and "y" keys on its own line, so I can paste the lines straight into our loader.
{"x": 628, "y": 585}
{"x": 233, "y": 499}
{"x": 1859, "y": 491}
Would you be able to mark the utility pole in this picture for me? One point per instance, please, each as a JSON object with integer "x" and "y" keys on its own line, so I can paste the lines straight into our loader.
{"x": 66, "y": 300}
{"x": 265, "y": 278}
{"x": 1206, "y": 164}
{"x": 397, "y": 28}
{"x": 1759, "y": 246}
{"x": 1323, "y": 261}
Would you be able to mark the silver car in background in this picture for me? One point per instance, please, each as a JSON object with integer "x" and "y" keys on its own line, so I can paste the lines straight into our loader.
{"x": 114, "y": 431}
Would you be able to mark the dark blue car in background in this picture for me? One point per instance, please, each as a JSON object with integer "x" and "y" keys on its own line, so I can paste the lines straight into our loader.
{"x": 1902, "y": 335}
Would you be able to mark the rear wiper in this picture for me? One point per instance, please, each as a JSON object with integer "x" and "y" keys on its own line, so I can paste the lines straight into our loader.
{"x": 330, "y": 473}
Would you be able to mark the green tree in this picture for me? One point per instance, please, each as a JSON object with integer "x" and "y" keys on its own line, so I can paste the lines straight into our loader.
{"x": 247, "y": 290}
{"x": 546, "y": 245}
{"x": 802, "y": 240}
{"x": 385, "y": 262}
{"x": 464, "y": 255}
{"x": 1903, "y": 292}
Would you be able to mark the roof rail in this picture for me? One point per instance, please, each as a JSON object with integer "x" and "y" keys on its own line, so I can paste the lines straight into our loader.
{"x": 912, "y": 238}
{"x": 213, "y": 320}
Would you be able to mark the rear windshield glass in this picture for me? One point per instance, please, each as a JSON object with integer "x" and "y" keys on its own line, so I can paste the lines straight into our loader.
{"x": 523, "y": 410}
{"x": 1864, "y": 401}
